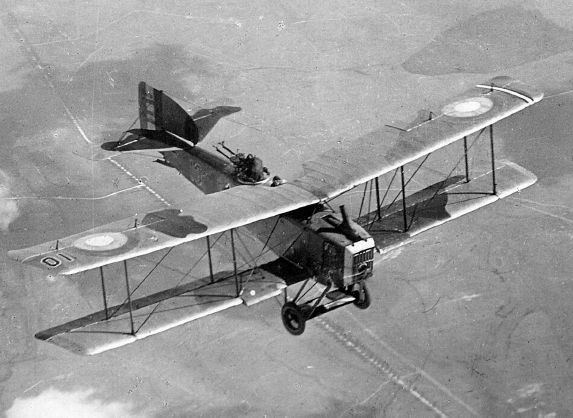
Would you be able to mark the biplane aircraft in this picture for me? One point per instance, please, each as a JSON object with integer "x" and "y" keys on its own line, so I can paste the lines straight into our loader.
{"x": 318, "y": 258}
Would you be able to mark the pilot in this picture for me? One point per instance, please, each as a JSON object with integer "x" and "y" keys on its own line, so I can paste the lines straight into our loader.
{"x": 277, "y": 181}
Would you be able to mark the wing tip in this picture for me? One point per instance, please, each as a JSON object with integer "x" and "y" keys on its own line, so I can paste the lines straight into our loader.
{"x": 21, "y": 255}
{"x": 527, "y": 177}
{"x": 517, "y": 86}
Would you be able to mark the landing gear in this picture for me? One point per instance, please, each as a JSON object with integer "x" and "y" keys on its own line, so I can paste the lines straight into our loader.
{"x": 293, "y": 318}
{"x": 361, "y": 296}
{"x": 295, "y": 312}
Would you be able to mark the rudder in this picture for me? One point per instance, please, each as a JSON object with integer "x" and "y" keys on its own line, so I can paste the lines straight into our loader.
{"x": 158, "y": 110}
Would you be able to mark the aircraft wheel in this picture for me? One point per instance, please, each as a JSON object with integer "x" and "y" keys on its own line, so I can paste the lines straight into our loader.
{"x": 293, "y": 318}
{"x": 362, "y": 296}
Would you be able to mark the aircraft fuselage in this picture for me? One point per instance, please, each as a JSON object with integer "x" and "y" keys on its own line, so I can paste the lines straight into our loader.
{"x": 311, "y": 238}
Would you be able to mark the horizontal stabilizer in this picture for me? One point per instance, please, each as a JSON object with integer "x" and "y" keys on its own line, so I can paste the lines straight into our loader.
{"x": 151, "y": 140}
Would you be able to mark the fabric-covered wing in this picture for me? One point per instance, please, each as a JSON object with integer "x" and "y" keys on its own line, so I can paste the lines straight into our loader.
{"x": 329, "y": 175}
{"x": 341, "y": 169}
{"x": 135, "y": 236}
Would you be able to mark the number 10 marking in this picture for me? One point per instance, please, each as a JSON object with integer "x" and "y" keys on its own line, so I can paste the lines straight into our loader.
{"x": 54, "y": 261}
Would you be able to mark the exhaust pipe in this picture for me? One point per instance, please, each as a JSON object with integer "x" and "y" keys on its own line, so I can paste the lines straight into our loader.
{"x": 345, "y": 222}
{"x": 347, "y": 227}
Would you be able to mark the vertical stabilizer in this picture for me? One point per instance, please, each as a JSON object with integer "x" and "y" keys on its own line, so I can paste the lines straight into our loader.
{"x": 159, "y": 111}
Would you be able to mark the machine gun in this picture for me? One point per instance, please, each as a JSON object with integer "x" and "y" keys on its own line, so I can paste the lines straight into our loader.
{"x": 248, "y": 168}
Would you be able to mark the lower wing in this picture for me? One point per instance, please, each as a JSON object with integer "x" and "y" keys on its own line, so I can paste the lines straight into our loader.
{"x": 442, "y": 203}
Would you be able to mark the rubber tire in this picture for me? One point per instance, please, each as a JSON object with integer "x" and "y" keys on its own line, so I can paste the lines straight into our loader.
{"x": 362, "y": 296}
{"x": 293, "y": 318}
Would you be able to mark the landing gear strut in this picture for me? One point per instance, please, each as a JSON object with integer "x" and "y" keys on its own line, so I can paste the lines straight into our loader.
{"x": 294, "y": 314}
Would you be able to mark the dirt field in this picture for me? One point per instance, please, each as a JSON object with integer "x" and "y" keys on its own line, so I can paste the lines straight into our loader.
{"x": 473, "y": 319}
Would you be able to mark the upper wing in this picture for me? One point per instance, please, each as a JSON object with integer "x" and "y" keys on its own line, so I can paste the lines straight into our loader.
{"x": 329, "y": 175}
{"x": 135, "y": 236}
{"x": 340, "y": 169}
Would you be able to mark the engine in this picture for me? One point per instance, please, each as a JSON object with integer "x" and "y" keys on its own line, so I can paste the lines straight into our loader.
{"x": 334, "y": 248}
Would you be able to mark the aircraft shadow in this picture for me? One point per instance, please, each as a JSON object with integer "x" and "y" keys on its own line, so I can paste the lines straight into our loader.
{"x": 429, "y": 202}
{"x": 170, "y": 222}
{"x": 426, "y": 208}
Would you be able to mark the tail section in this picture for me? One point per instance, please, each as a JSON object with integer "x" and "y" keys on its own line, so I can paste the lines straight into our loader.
{"x": 160, "y": 112}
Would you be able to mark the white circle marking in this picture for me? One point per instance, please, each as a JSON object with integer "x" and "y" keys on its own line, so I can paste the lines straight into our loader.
{"x": 466, "y": 108}
{"x": 99, "y": 241}
{"x": 103, "y": 241}
{"x": 469, "y": 106}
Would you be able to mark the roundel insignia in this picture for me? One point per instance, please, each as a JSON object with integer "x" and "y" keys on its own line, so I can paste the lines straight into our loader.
{"x": 465, "y": 108}
{"x": 103, "y": 241}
